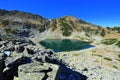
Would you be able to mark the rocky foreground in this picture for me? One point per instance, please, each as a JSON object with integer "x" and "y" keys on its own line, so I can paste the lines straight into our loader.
{"x": 30, "y": 63}
{"x": 98, "y": 63}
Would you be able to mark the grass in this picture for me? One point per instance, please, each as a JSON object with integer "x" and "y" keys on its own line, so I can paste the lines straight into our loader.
{"x": 119, "y": 55}
{"x": 118, "y": 59}
{"x": 94, "y": 51}
{"x": 103, "y": 33}
{"x": 118, "y": 44}
{"x": 115, "y": 67}
{"x": 5, "y": 22}
{"x": 65, "y": 27}
{"x": 97, "y": 55}
{"x": 109, "y": 41}
{"x": 109, "y": 59}
{"x": 76, "y": 54}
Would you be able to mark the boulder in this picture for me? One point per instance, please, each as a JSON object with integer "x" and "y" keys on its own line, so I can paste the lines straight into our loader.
{"x": 30, "y": 51}
{"x": 0, "y": 39}
{"x": 36, "y": 71}
{"x": 2, "y": 65}
{"x": 7, "y": 53}
{"x": 20, "y": 49}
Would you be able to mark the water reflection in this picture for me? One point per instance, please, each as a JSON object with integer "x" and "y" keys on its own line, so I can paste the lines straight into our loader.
{"x": 59, "y": 45}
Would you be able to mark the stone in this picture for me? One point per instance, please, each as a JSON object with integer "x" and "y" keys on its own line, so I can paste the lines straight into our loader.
{"x": 30, "y": 51}
{"x": 20, "y": 49}
{"x": 36, "y": 71}
{"x": 7, "y": 53}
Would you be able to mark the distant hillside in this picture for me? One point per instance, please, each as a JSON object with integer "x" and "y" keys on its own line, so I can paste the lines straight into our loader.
{"x": 15, "y": 22}
{"x": 69, "y": 26}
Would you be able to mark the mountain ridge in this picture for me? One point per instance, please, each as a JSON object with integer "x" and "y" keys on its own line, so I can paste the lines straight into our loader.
{"x": 65, "y": 26}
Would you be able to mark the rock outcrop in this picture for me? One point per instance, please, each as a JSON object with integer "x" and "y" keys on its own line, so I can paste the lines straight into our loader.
{"x": 41, "y": 65}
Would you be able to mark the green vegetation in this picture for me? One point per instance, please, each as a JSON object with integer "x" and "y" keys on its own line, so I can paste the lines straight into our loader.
{"x": 11, "y": 31}
{"x": 109, "y": 41}
{"x": 54, "y": 24}
{"x": 119, "y": 55}
{"x": 76, "y": 54}
{"x": 108, "y": 27}
{"x": 3, "y": 12}
{"x": 109, "y": 59}
{"x": 87, "y": 35}
{"x": 97, "y": 31}
{"x": 117, "y": 28}
{"x": 66, "y": 28}
{"x": 5, "y": 22}
{"x": 41, "y": 29}
{"x": 118, "y": 44}
{"x": 94, "y": 51}
{"x": 103, "y": 33}
{"x": 62, "y": 19}
{"x": 97, "y": 55}
{"x": 115, "y": 67}
{"x": 86, "y": 29}
{"x": 118, "y": 59}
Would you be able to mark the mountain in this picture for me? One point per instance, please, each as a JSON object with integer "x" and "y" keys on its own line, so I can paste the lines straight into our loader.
{"x": 21, "y": 51}
{"x": 15, "y": 21}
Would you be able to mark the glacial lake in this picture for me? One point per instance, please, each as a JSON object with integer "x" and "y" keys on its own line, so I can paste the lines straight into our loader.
{"x": 59, "y": 45}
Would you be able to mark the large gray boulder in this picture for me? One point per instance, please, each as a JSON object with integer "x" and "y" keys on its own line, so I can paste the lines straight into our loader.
{"x": 38, "y": 71}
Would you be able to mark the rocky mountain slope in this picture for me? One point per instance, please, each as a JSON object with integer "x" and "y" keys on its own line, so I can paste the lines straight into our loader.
{"x": 21, "y": 55}
{"x": 68, "y": 26}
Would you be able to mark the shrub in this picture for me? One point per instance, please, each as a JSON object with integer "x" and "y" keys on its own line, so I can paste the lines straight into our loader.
{"x": 108, "y": 27}
{"x": 103, "y": 33}
{"x": 66, "y": 29}
{"x": 117, "y": 28}
{"x": 118, "y": 44}
{"x": 118, "y": 59}
{"x": 97, "y": 31}
{"x": 115, "y": 67}
{"x": 119, "y": 55}
{"x": 87, "y": 35}
{"x": 76, "y": 54}
{"x": 109, "y": 59}
{"x": 109, "y": 41}
{"x": 41, "y": 29}
{"x": 5, "y": 22}
{"x": 97, "y": 55}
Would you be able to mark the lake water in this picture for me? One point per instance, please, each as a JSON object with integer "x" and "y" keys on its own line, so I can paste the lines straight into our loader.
{"x": 59, "y": 45}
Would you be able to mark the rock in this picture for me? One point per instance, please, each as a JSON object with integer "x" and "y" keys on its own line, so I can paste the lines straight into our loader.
{"x": 13, "y": 68}
{"x": 7, "y": 53}
{"x": 20, "y": 61}
{"x": 12, "y": 49}
{"x": 10, "y": 73}
{"x": 20, "y": 49}
{"x": 2, "y": 66}
{"x": 1, "y": 45}
{"x": 36, "y": 71}
{"x": 85, "y": 69}
{"x": 49, "y": 51}
{"x": 30, "y": 51}
{"x": 0, "y": 39}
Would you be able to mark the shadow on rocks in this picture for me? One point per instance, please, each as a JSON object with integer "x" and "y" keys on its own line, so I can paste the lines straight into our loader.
{"x": 13, "y": 68}
{"x": 65, "y": 73}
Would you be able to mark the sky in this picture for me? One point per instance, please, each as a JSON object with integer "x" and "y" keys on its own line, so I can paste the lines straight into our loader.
{"x": 100, "y": 12}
